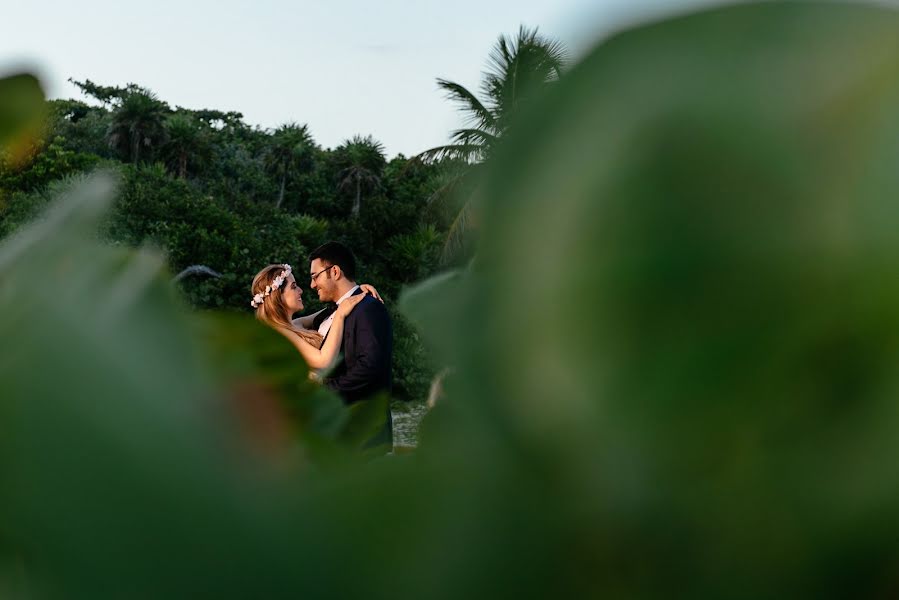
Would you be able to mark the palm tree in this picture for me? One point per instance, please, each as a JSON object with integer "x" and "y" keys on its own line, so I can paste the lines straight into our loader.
{"x": 187, "y": 144}
{"x": 361, "y": 163}
{"x": 138, "y": 122}
{"x": 291, "y": 151}
{"x": 518, "y": 70}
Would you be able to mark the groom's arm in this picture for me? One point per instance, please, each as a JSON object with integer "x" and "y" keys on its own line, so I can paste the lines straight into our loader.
{"x": 372, "y": 351}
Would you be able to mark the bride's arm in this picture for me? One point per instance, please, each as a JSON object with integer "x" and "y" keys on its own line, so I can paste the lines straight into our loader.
{"x": 319, "y": 359}
{"x": 315, "y": 358}
{"x": 306, "y": 321}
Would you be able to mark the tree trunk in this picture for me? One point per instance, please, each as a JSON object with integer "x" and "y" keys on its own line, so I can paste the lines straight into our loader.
{"x": 281, "y": 193}
{"x": 357, "y": 203}
{"x": 135, "y": 148}
{"x": 182, "y": 165}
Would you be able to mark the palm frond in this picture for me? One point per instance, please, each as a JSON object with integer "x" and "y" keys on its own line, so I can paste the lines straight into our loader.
{"x": 519, "y": 69}
{"x": 475, "y": 137}
{"x": 349, "y": 176}
{"x": 464, "y": 152}
{"x": 477, "y": 112}
{"x": 459, "y": 233}
{"x": 453, "y": 180}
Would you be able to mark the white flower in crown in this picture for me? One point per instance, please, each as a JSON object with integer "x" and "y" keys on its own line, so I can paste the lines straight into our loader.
{"x": 276, "y": 283}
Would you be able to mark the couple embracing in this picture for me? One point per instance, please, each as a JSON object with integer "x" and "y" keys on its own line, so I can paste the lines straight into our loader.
{"x": 348, "y": 344}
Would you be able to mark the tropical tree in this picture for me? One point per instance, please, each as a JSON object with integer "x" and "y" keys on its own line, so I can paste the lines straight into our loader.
{"x": 518, "y": 70}
{"x": 414, "y": 256}
{"x": 187, "y": 144}
{"x": 83, "y": 126}
{"x": 291, "y": 151}
{"x": 138, "y": 123}
{"x": 361, "y": 164}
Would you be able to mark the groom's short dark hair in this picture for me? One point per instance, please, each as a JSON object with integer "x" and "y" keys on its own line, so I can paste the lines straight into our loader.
{"x": 335, "y": 253}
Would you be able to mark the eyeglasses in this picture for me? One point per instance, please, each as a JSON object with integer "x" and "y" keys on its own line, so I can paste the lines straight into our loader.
{"x": 315, "y": 275}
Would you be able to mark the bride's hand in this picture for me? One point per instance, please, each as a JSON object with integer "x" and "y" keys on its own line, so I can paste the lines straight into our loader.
{"x": 369, "y": 289}
{"x": 347, "y": 306}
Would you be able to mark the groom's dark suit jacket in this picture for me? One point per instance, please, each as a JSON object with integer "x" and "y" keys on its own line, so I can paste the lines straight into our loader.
{"x": 367, "y": 350}
{"x": 365, "y": 369}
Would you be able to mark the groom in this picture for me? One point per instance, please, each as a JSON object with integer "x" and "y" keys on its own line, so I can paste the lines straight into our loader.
{"x": 367, "y": 346}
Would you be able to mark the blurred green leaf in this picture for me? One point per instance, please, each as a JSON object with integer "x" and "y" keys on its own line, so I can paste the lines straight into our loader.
{"x": 112, "y": 444}
{"x": 681, "y": 318}
{"x": 366, "y": 423}
{"x": 443, "y": 307}
{"x": 691, "y": 295}
{"x": 21, "y": 109}
{"x": 269, "y": 382}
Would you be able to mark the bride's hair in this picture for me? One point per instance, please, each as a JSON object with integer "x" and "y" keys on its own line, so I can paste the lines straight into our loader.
{"x": 272, "y": 310}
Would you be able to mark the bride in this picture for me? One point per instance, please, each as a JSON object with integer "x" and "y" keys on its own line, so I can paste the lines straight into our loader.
{"x": 277, "y": 297}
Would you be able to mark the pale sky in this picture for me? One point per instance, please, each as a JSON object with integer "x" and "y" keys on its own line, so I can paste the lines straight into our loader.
{"x": 343, "y": 67}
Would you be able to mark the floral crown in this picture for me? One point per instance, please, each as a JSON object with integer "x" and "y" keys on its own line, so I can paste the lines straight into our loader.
{"x": 276, "y": 283}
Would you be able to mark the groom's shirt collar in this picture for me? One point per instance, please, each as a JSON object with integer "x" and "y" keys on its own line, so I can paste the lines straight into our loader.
{"x": 348, "y": 294}
{"x": 326, "y": 324}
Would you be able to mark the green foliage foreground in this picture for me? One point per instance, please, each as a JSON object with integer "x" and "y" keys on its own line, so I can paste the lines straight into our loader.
{"x": 674, "y": 362}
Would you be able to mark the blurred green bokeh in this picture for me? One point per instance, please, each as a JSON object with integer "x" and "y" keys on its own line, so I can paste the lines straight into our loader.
{"x": 21, "y": 112}
{"x": 673, "y": 362}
